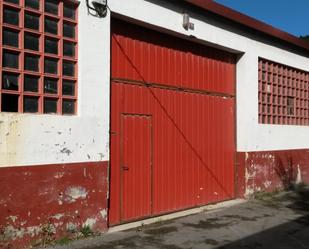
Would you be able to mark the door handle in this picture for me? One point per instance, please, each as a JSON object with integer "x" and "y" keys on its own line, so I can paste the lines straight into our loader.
{"x": 125, "y": 168}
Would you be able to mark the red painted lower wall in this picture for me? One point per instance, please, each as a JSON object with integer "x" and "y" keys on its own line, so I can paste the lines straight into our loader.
{"x": 271, "y": 170}
{"x": 51, "y": 201}
{"x": 240, "y": 175}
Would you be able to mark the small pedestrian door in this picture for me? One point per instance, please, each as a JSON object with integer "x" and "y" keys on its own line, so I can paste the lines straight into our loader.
{"x": 135, "y": 166}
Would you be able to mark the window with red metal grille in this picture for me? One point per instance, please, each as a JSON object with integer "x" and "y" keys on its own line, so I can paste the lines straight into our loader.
{"x": 38, "y": 57}
{"x": 283, "y": 94}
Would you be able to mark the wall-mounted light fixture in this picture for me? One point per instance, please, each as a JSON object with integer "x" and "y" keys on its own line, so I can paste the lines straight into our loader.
{"x": 186, "y": 22}
{"x": 99, "y": 6}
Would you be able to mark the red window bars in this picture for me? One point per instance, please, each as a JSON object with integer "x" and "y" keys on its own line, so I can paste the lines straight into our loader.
{"x": 38, "y": 57}
{"x": 283, "y": 94}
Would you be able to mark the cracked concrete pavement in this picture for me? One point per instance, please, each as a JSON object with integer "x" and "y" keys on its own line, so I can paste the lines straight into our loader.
{"x": 278, "y": 221}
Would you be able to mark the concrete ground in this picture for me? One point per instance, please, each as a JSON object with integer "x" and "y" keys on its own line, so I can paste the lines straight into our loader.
{"x": 270, "y": 221}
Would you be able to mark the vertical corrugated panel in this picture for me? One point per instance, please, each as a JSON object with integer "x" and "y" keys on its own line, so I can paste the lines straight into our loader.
{"x": 192, "y": 133}
{"x": 171, "y": 61}
{"x": 193, "y": 148}
{"x": 135, "y": 194}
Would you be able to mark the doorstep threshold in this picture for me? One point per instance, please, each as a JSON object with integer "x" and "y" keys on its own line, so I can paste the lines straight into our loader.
{"x": 207, "y": 208}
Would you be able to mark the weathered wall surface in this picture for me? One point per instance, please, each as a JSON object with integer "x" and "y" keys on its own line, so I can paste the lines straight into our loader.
{"x": 32, "y": 139}
{"x": 47, "y": 202}
{"x": 272, "y": 170}
{"x": 54, "y": 169}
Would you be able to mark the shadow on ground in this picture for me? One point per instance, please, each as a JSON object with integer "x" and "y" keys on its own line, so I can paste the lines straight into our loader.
{"x": 293, "y": 234}
{"x": 270, "y": 221}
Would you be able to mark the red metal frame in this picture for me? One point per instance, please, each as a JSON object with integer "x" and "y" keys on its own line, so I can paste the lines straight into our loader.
{"x": 41, "y": 54}
{"x": 283, "y": 94}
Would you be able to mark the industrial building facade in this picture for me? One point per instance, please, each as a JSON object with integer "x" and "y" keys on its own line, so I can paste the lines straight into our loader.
{"x": 153, "y": 108}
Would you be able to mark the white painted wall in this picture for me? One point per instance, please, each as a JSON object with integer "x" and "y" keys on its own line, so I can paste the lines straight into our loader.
{"x": 251, "y": 136}
{"x": 27, "y": 139}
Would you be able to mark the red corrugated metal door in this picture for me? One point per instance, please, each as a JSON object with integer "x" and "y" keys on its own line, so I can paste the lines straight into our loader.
{"x": 135, "y": 166}
{"x": 188, "y": 90}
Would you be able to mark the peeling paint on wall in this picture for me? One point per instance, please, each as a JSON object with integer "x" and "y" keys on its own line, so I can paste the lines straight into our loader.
{"x": 74, "y": 193}
{"x": 13, "y": 218}
{"x": 59, "y": 175}
{"x": 298, "y": 176}
{"x": 51, "y": 199}
{"x": 58, "y": 216}
{"x": 274, "y": 170}
{"x": 90, "y": 222}
{"x": 103, "y": 213}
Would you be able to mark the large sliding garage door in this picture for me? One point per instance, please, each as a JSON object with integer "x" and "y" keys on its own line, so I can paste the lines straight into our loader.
{"x": 172, "y": 124}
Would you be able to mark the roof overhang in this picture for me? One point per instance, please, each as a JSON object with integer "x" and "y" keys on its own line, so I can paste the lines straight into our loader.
{"x": 249, "y": 22}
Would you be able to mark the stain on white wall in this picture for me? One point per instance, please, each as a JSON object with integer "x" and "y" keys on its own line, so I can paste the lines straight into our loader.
{"x": 35, "y": 139}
